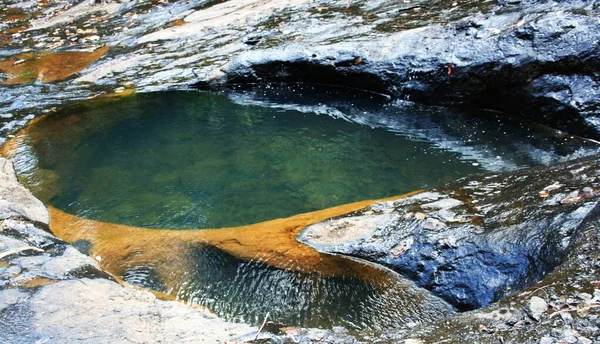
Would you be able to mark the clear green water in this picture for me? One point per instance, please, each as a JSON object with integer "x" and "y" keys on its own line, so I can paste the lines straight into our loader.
{"x": 198, "y": 160}
{"x": 203, "y": 160}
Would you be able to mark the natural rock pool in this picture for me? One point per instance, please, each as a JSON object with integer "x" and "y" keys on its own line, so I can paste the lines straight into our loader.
{"x": 190, "y": 160}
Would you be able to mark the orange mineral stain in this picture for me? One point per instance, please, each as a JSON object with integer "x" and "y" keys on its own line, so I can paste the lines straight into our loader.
{"x": 17, "y": 29}
{"x": 13, "y": 15}
{"x": 273, "y": 242}
{"x": 51, "y": 67}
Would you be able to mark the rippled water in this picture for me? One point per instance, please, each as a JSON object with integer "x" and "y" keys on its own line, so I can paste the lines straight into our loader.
{"x": 364, "y": 297}
{"x": 184, "y": 160}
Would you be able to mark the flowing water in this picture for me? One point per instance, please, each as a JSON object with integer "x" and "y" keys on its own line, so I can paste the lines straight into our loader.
{"x": 190, "y": 160}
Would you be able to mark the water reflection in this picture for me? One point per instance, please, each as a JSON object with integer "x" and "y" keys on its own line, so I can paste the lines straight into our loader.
{"x": 495, "y": 141}
{"x": 362, "y": 298}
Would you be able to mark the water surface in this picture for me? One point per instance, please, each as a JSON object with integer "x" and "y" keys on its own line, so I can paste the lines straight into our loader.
{"x": 198, "y": 160}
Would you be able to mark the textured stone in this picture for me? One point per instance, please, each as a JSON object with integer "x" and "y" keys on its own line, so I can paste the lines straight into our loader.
{"x": 16, "y": 200}
{"x": 100, "y": 311}
{"x": 536, "y": 308}
{"x": 507, "y": 242}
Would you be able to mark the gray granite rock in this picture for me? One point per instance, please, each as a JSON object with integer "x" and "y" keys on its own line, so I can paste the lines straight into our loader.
{"x": 536, "y": 308}
{"x": 474, "y": 241}
{"x": 16, "y": 200}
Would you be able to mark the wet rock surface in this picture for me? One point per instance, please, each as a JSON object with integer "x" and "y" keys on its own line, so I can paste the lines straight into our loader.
{"x": 571, "y": 292}
{"x": 16, "y": 200}
{"x": 538, "y": 59}
{"x": 477, "y": 240}
{"x": 505, "y": 59}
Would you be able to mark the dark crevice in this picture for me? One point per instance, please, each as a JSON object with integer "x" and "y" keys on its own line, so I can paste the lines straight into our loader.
{"x": 495, "y": 86}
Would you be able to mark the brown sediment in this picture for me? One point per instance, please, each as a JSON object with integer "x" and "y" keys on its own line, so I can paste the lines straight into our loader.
{"x": 120, "y": 247}
{"x": 17, "y": 29}
{"x": 48, "y": 67}
{"x": 104, "y": 97}
{"x": 119, "y": 94}
{"x": 17, "y": 21}
{"x": 43, "y": 3}
{"x": 36, "y": 282}
{"x": 13, "y": 14}
{"x": 10, "y": 147}
{"x": 4, "y": 39}
{"x": 29, "y": 133}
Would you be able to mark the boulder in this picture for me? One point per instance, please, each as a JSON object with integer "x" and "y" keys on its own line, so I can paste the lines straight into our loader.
{"x": 474, "y": 241}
